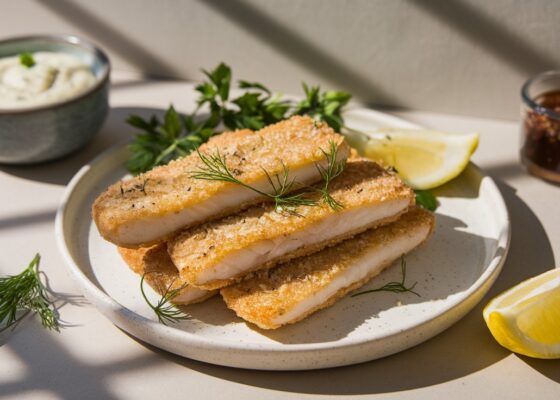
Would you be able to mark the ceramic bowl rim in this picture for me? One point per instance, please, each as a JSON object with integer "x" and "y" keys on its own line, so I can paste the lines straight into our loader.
{"x": 76, "y": 42}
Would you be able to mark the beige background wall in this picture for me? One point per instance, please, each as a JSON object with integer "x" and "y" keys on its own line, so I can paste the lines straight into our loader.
{"x": 458, "y": 56}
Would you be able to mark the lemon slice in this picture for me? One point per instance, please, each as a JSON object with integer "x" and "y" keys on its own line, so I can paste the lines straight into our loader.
{"x": 526, "y": 318}
{"x": 425, "y": 159}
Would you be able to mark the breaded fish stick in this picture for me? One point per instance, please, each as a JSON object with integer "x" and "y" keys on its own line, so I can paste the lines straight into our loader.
{"x": 220, "y": 252}
{"x": 292, "y": 291}
{"x": 150, "y": 207}
{"x": 161, "y": 274}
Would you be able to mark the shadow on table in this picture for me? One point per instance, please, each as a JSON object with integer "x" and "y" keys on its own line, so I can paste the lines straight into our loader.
{"x": 60, "y": 373}
{"x": 465, "y": 348}
{"x": 59, "y": 172}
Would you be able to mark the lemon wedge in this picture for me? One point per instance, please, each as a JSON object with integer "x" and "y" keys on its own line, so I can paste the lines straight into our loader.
{"x": 424, "y": 158}
{"x": 526, "y": 318}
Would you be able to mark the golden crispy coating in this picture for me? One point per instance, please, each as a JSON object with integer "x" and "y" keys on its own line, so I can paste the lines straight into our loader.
{"x": 160, "y": 272}
{"x": 362, "y": 184}
{"x": 268, "y": 294}
{"x": 167, "y": 190}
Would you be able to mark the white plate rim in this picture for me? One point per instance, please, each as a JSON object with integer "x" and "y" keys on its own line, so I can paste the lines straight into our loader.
{"x": 104, "y": 302}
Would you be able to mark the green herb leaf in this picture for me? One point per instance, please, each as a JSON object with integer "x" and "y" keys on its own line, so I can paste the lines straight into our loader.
{"x": 25, "y": 293}
{"x": 426, "y": 199}
{"x": 221, "y": 78}
{"x": 172, "y": 124}
{"x": 323, "y": 106}
{"x": 26, "y": 59}
{"x": 148, "y": 126}
{"x": 395, "y": 287}
{"x": 207, "y": 92}
{"x": 166, "y": 311}
{"x": 253, "y": 85}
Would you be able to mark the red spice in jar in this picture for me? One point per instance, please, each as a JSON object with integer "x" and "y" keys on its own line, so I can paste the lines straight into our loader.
{"x": 541, "y": 138}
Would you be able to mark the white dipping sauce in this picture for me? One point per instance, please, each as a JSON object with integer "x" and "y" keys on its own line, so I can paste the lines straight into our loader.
{"x": 54, "y": 77}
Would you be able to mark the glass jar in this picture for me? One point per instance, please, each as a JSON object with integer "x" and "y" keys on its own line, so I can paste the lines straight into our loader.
{"x": 540, "y": 136}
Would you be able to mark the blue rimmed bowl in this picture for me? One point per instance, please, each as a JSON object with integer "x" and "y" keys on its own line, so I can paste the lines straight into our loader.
{"x": 46, "y": 132}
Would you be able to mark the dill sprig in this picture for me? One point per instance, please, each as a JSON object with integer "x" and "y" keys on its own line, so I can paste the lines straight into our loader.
{"x": 215, "y": 169}
{"x": 395, "y": 287}
{"x": 25, "y": 293}
{"x": 333, "y": 169}
{"x": 164, "y": 309}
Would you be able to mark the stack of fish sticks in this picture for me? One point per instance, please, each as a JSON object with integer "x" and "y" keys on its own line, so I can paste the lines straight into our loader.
{"x": 256, "y": 217}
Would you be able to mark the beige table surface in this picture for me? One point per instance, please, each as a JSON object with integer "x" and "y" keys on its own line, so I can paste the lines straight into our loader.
{"x": 92, "y": 359}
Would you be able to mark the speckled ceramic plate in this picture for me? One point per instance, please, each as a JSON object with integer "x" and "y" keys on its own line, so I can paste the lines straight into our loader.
{"x": 453, "y": 270}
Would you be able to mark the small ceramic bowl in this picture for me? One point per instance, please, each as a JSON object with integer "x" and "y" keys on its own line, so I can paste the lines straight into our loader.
{"x": 46, "y": 132}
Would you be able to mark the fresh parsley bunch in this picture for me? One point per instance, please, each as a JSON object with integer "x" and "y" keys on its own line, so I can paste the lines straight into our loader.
{"x": 254, "y": 109}
{"x": 163, "y": 141}
{"x": 257, "y": 107}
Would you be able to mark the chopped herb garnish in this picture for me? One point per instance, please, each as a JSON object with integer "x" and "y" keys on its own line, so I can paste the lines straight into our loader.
{"x": 26, "y": 59}
{"x": 395, "y": 287}
{"x": 426, "y": 199}
{"x": 164, "y": 309}
{"x": 23, "y": 294}
{"x": 215, "y": 169}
